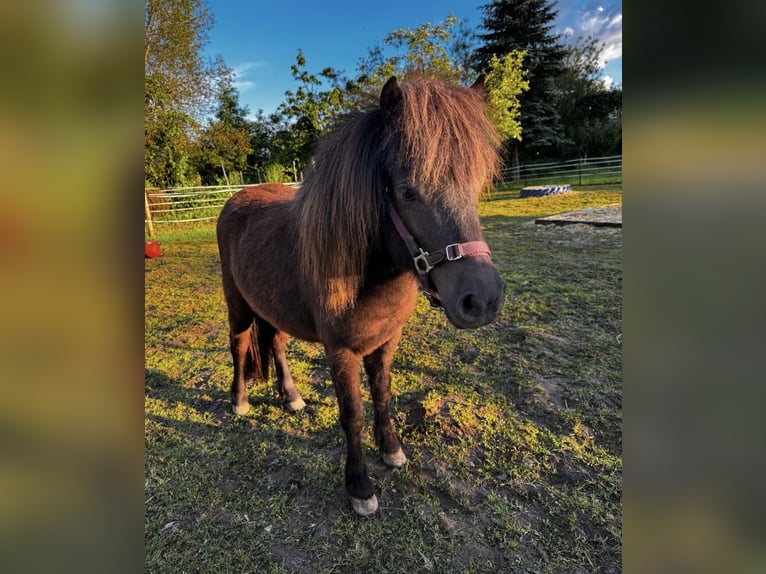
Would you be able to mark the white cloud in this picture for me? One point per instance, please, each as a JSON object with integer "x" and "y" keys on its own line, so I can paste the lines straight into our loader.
{"x": 243, "y": 85}
{"x": 245, "y": 66}
{"x": 608, "y": 81}
{"x": 612, "y": 51}
{"x": 601, "y": 19}
{"x": 607, "y": 28}
{"x": 592, "y": 24}
{"x": 612, "y": 39}
{"x": 241, "y": 72}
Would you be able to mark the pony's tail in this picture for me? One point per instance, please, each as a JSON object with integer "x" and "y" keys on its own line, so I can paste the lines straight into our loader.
{"x": 261, "y": 346}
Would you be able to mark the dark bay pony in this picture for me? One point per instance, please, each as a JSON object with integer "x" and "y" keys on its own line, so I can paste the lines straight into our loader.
{"x": 389, "y": 201}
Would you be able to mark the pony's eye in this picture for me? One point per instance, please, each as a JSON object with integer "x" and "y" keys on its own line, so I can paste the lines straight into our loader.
{"x": 408, "y": 195}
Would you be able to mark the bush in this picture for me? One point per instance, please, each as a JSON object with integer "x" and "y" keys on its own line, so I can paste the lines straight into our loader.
{"x": 276, "y": 173}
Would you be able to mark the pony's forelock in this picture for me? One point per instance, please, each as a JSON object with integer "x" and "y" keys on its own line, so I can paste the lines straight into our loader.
{"x": 448, "y": 141}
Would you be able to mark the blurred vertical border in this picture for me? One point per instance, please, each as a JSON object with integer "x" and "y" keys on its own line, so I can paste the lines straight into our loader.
{"x": 71, "y": 422}
{"x": 694, "y": 275}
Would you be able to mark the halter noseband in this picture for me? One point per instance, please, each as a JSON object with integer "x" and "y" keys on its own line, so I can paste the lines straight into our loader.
{"x": 425, "y": 261}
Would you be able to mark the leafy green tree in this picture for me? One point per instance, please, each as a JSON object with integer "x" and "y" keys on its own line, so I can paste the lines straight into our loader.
{"x": 175, "y": 32}
{"x": 168, "y": 141}
{"x": 261, "y": 131}
{"x": 308, "y": 112}
{"x": 168, "y": 149}
{"x": 526, "y": 25}
{"x": 440, "y": 50}
{"x": 178, "y": 86}
{"x": 224, "y": 144}
{"x": 504, "y": 83}
{"x": 590, "y": 113}
{"x": 228, "y": 111}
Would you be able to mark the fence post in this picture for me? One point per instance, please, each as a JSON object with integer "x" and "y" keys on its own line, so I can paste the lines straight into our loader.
{"x": 148, "y": 216}
{"x": 226, "y": 177}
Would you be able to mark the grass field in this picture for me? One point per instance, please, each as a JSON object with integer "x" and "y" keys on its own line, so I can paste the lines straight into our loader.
{"x": 513, "y": 431}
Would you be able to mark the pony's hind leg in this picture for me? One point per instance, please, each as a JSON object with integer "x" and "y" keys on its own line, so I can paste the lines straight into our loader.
{"x": 285, "y": 384}
{"x": 378, "y": 367}
{"x": 241, "y": 352}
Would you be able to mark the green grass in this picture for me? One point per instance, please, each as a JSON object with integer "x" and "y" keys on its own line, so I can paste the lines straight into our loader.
{"x": 513, "y": 431}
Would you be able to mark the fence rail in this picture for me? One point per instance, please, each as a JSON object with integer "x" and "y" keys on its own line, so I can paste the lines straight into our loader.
{"x": 189, "y": 204}
{"x": 580, "y": 172}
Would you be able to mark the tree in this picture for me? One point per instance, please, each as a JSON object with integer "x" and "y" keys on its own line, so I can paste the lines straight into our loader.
{"x": 526, "y": 25}
{"x": 228, "y": 111}
{"x": 175, "y": 32}
{"x": 431, "y": 50}
{"x": 591, "y": 113}
{"x": 504, "y": 83}
{"x": 168, "y": 148}
{"x": 178, "y": 85}
{"x": 224, "y": 145}
{"x": 308, "y": 112}
{"x": 261, "y": 133}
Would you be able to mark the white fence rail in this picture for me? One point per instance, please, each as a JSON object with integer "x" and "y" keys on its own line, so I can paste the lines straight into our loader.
{"x": 581, "y": 172}
{"x": 188, "y": 204}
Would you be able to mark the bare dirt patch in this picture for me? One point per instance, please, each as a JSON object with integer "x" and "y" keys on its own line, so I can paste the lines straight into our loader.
{"x": 606, "y": 216}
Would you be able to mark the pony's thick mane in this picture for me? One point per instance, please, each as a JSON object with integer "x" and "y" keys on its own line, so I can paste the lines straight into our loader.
{"x": 339, "y": 207}
{"x": 443, "y": 137}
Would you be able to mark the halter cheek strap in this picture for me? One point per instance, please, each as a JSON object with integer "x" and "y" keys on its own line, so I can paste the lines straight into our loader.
{"x": 425, "y": 261}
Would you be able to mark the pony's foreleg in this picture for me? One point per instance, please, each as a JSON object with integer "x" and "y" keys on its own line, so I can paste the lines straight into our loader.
{"x": 378, "y": 367}
{"x": 344, "y": 369}
{"x": 285, "y": 384}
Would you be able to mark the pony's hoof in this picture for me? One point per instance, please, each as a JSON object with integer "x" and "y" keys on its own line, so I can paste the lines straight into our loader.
{"x": 394, "y": 459}
{"x": 296, "y": 405}
{"x": 241, "y": 409}
{"x": 365, "y": 506}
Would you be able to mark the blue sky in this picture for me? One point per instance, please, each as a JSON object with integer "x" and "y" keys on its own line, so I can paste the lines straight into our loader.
{"x": 260, "y": 38}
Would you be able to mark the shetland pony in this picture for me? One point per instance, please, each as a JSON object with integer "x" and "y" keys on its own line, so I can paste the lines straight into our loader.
{"x": 388, "y": 203}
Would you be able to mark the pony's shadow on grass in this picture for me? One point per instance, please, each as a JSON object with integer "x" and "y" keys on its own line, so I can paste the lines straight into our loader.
{"x": 192, "y": 408}
{"x": 264, "y": 450}
{"x": 204, "y": 403}
{"x": 201, "y": 395}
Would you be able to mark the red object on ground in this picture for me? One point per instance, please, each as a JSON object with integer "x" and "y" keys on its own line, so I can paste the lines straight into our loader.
{"x": 152, "y": 249}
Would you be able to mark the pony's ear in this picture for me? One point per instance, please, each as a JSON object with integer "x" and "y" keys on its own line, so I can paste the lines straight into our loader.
{"x": 390, "y": 99}
{"x": 478, "y": 85}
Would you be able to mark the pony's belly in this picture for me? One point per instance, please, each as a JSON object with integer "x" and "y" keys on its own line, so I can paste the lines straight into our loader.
{"x": 298, "y": 323}
{"x": 284, "y": 310}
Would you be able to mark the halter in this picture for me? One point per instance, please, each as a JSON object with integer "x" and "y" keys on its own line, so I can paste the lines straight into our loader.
{"x": 425, "y": 261}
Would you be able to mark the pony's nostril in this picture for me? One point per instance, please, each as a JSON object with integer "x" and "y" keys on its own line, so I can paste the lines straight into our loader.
{"x": 472, "y": 306}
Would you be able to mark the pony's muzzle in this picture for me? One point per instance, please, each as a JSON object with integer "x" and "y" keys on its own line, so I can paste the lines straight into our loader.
{"x": 478, "y": 307}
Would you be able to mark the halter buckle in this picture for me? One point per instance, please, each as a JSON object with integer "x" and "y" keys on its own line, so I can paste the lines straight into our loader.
{"x": 422, "y": 258}
{"x": 453, "y": 252}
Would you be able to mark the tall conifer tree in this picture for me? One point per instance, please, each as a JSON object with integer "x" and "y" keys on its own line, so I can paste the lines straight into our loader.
{"x": 527, "y": 25}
